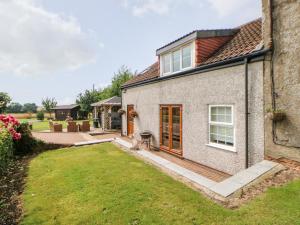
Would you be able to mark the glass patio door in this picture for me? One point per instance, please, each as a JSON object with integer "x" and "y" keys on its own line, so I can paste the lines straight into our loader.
{"x": 170, "y": 128}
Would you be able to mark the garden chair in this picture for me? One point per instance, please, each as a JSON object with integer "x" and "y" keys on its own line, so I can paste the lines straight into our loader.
{"x": 72, "y": 126}
{"x": 55, "y": 127}
{"x": 85, "y": 126}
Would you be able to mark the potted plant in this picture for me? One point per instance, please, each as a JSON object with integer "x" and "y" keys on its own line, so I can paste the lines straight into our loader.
{"x": 134, "y": 113}
{"x": 276, "y": 114}
{"x": 121, "y": 111}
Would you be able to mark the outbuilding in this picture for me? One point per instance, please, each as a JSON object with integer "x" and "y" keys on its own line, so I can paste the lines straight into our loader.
{"x": 62, "y": 111}
{"x": 106, "y": 113}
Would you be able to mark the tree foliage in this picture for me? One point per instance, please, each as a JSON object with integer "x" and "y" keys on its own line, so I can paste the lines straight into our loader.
{"x": 124, "y": 74}
{"x": 14, "y": 107}
{"x": 29, "y": 108}
{"x": 85, "y": 100}
{"x": 89, "y": 97}
{"x": 4, "y": 101}
{"x": 49, "y": 104}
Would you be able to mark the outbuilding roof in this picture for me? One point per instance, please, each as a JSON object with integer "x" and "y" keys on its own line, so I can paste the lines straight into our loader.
{"x": 72, "y": 106}
{"x": 246, "y": 40}
{"x": 110, "y": 101}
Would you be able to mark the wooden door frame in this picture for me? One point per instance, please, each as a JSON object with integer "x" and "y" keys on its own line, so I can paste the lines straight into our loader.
{"x": 130, "y": 105}
{"x": 169, "y": 148}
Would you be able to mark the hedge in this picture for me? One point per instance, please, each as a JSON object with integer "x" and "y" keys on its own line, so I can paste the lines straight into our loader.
{"x": 6, "y": 148}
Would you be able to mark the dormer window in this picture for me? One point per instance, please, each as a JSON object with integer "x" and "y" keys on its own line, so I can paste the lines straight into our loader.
{"x": 166, "y": 63}
{"x": 177, "y": 60}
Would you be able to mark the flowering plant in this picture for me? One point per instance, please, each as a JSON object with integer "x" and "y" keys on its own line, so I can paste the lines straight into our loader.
{"x": 10, "y": 123}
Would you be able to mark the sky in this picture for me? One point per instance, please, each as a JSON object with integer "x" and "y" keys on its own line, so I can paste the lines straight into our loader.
{"x": 59, "y": 48}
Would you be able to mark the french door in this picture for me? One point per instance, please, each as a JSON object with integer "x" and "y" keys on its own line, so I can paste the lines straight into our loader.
{"x": 171, "y": 128}
{"x": 130, "y": 121}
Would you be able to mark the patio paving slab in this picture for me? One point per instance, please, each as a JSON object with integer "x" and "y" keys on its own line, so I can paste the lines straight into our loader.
{"x": 218, "y": 190}
{"x": 93, "y": 142}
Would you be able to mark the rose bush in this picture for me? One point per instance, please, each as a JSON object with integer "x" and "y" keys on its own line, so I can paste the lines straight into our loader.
{"x": 10, "y": 124}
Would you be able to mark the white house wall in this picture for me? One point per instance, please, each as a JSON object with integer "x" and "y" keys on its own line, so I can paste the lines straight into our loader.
{"x": 196, "y": 93}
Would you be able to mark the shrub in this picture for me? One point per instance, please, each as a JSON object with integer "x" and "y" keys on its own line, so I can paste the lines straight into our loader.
{"x": 10, "y": 123}
{"x": 40, "y": 115}
{"x": 6, "y": 148}
{"x": 27, "y": 143}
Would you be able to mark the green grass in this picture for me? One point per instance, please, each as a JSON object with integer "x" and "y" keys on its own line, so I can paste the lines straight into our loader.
{"x": 101, "y": 184}
{"x": 44, "y": 125}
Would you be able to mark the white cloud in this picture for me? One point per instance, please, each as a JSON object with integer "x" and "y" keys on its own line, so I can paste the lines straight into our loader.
{"x": 155, "y": 6}
{"x": 225, "y": 8}
{"x": 35, "y": 41}
{"x": 162, "y": 7}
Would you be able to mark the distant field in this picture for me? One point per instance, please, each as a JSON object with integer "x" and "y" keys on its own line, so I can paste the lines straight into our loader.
{"x": 28, "y": 115}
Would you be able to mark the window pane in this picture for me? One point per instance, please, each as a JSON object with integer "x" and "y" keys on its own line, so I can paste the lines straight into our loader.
{"x": 214, "y": 110}
{"x": 213, "y": 118}
{"x": 165, "y": 126}
{"x": 213, "y": 138}
{"x": 187, "y": 57}
{"x": 213, "y": 129}
{"x": 221, "y": 118}
{"x": 176, "y": 127}
{"x": 228, "y": 110}
{"x": 221, "y": 130}
{"x": 221, "y": 110}
{"x": 229, "y": 131}
{"x": 176, "y": 61}
{"x": 229, "y": 141}
{"x": 167, "y": 63}
{"x": 228, "y": 119}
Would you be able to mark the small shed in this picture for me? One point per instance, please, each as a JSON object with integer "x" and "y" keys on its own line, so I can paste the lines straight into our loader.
{"x": 106, "y": 112}
{"x": 62, "y": 111}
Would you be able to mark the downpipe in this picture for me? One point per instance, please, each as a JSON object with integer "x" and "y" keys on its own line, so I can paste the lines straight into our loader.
{"x": 246, "y": 115}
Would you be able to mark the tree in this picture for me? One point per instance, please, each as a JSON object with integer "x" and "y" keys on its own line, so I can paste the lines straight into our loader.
{"x": 4, "y": 101}
{"x": 85, "y": 100}
{"x": 29, "y": 108}
{"x": 14, "y": 107}
{"x": 49, "y": 104}
{"x": 124, "y": 74}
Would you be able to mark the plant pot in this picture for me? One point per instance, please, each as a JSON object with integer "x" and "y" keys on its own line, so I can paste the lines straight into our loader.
{"x": 133, "y": 114}
{"x": 276, "y": 116}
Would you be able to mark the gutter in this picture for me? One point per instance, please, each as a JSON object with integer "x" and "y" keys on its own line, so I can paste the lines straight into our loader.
{"x": 201, "y": 69}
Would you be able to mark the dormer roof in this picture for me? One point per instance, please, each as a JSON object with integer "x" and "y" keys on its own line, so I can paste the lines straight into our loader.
{"x": 247, "y": 39}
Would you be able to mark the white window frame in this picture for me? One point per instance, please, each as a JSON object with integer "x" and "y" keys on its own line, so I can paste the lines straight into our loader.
{"x": 192, "y": 45}
{"x": 221, "y": 146}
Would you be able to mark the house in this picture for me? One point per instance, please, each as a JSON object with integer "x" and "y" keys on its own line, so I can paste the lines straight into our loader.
{"x": 106, "y": 112}
{"x": 203, "y": 100}
{"x": 62, "y": 111}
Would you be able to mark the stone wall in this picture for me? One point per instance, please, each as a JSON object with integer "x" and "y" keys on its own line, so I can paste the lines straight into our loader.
{"x": 282, "y": 138}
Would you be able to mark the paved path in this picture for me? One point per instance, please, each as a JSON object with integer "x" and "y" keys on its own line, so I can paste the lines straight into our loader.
{"x": 69, "y": 138}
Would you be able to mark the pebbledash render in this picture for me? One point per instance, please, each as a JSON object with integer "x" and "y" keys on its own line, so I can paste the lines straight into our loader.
{"x": 194, "y": 102}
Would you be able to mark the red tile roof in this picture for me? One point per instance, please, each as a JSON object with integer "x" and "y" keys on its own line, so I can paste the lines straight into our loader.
{"x": 244, "y": 42}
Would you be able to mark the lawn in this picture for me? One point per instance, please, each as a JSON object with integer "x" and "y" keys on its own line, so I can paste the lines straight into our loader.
{"x": 44, "y": 125}
{"x": 101, "y": 184}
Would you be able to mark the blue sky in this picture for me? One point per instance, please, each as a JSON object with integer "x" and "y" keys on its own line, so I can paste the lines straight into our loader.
{"x": 58, "y": 48}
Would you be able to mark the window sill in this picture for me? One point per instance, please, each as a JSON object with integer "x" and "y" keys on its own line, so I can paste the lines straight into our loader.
{"x": 173, "y": 73}
{"x": 223, "y": 147}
